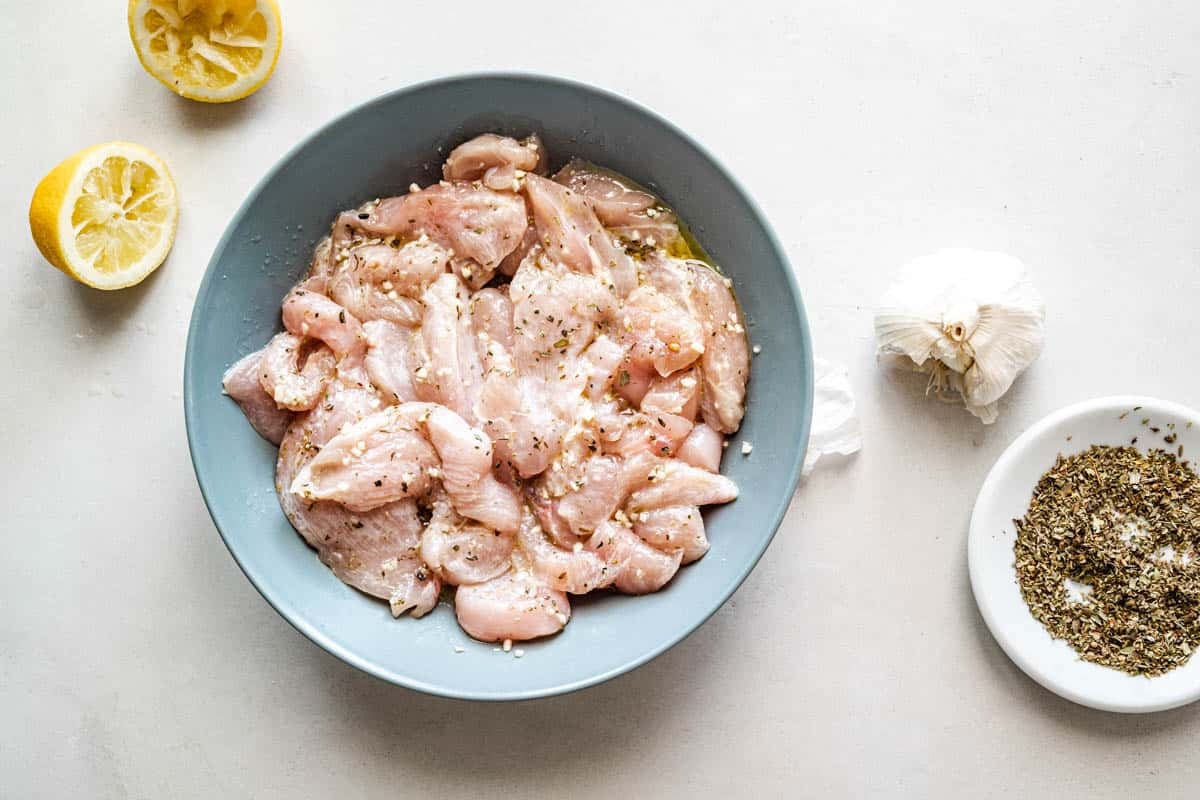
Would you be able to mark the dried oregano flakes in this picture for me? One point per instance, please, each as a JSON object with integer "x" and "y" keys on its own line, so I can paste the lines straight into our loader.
{"x": 1108, "y": 557}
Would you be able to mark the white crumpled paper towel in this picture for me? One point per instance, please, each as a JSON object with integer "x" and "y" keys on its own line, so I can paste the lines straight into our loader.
{"x": 835, "y": 427}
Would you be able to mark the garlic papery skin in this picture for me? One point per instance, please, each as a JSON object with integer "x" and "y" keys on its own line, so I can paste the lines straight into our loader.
{"x": 835, "y": 428}
{"x": 969, "y": 319}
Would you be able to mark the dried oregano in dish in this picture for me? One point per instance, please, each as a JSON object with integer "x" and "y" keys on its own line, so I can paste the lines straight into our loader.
{"x": 1108, "y": 557}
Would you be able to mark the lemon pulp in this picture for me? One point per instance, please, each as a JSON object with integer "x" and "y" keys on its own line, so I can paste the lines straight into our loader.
{"x": 211, "y": 50}
{"x": 121, "y": 213}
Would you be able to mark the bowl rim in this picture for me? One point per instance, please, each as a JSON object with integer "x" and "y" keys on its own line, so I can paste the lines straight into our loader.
{"x": 295, "y": 618}
{"x": 1030, "y": 661}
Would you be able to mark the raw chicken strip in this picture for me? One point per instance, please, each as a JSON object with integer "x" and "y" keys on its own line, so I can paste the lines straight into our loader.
{"x": 534, "y": 142}
{"x": 307, "y": 313}
{"x": 604, "y": 357}
{"x": 515, "y": 605}
{"x": 345, "y": 403}
{"x": 555, "y": 315}
{"x": 322, "y": 263}
{"x": 575, "y": 571}
{"x": 529, "y": 240}
{"x": 673, "y": 483}
{"x": 600, "y": 493}
{"x": 546, "y": 512}
{"x": 669, "y": 408}
{"x": 702, "y": 448}
{"x": 496, "y": 160}
{"x": 479, "y": 225}
{"x": 466, "y": 455}
{"x": 462, "y": 552}
{"x": 646, "y": 569}
{"x": 492, "y": 318}
{"x": 387, "y": 359}
{"x": 635, "y": 432}
{"x": 726, "y": 359}
{"x": 381, "y": 282}
{"x": 449, "y": 371}
{"x": 660, "y": 331}
{"x": 673, "y": 528}
{"x": 629, "y": 212}
{"x": 374, "y": 551}
{"x": 677, "y": 394}
{"x": 377, "y": 460}
{"x": 241, "y": 382}
{"x": 294, "y": 374}
{"x": 641, "y": 568}
{"x": 517, "y": 416}
{"x": 634, "y": 377}
{"x": 611, "y": 198}
{"x": 572, "y": 235}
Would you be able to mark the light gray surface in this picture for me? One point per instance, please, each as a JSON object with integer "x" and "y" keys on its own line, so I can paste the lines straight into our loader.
{"x": 135, "y": 660}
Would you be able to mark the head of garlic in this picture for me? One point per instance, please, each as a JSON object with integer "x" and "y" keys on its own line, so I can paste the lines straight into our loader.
{"x": 971, "y": 320}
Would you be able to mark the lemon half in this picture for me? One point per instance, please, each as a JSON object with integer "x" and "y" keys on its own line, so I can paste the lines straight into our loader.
{"x": 209, "y": 50}
{"x": 107, "y": 215}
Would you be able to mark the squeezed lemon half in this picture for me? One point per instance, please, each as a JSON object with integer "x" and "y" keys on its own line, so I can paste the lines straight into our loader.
{"x": 214, "y": 51}
{"x": 107, "y": 215}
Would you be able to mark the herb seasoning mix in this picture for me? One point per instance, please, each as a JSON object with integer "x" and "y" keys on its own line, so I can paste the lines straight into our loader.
{"x": 1108, "y": 557}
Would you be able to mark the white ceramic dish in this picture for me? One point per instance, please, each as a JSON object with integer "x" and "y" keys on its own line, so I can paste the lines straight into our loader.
{"x": 1005, "y": 496}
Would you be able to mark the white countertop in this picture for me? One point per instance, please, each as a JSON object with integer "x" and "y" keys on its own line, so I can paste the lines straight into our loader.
{"x": 137, "y": 661}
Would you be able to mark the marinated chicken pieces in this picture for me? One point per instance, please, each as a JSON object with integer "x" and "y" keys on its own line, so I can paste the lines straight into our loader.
{"x": 513, "y": 384}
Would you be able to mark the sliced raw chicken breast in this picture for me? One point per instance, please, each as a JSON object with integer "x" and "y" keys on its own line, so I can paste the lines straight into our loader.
{"x": 295, "y": 373}
{"x": 322, "y": 263}
{"x": 556, "y": 313}
{"x": 492, "y": 317}
{"x": 529, "y": 240}
{"x": 242, "y": 382}
{"x": 498, "y": 161}
{"x": 387, "y": 359}
{"x": 677, "y": 394}
{"x": 546, "y": 512}
{"x": 660, "y": 331}
{"x": 629, "y": 212}
{"x": 460, "y": 551}
{"x": 642, "y": 568}
{"x": 466, "y": 472}
{"x": 380, "y": 282}
{"x": 374, "y": 551}
{"x": 480, "y": 226}
{"x": 307, "y": 313}
{"x": 726, "y": 359}
{"x": 604, "y": 359}
{"x": 345, "y": 403}
{"x": 522, "y": 439}
{"x": 571, "y": 234}
{"x": 575, "y": 570}
{"x": 515, "y": 605}
{"x": 702, "y": 448}
{"x": 673, "y": 528}
{"x": 379, "y": 459}
{"x": 555, "y": 316}
{"x": 599, "y": 492}
{"x": 630, "y": 432}
{"x": 448, "y": 370}
{"x": 673, "y": 483}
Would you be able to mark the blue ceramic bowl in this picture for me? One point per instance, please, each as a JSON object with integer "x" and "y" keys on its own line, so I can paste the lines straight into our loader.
{"x": 379, "y": 149}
